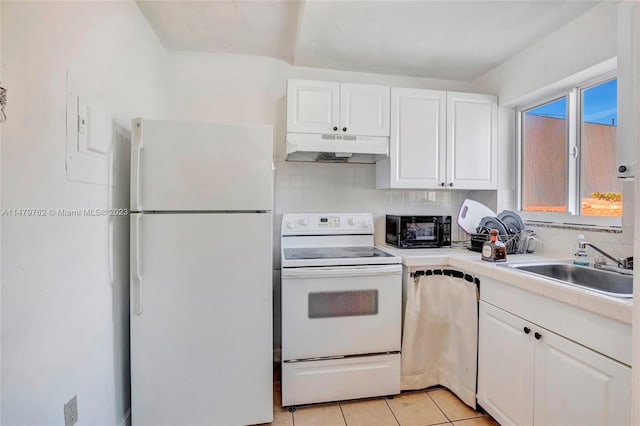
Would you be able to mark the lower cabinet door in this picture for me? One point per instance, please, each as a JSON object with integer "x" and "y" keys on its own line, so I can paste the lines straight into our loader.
{"x": 505, "y": 366}
{"x": 577, "y": 386}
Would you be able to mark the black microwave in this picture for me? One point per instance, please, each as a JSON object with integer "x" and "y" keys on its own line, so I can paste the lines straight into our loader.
{"x": 418, "y": 231}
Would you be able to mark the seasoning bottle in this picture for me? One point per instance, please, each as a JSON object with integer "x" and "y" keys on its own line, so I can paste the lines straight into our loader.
{"x": 494, "y": 250}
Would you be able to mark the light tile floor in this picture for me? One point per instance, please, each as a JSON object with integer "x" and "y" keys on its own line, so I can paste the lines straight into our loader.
{"x": 433, "y": 406}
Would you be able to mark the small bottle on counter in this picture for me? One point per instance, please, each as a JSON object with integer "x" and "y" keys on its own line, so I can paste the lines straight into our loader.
{"x": 581, "y": 257}
{"x": 494, "y": 250}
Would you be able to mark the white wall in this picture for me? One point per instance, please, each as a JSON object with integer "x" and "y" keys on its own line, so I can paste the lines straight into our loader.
{"x": 586, "y": 41}
{"x": 1, "y": 67}
{"x": 64, "y": 293}
{"x": 250, "y": 89}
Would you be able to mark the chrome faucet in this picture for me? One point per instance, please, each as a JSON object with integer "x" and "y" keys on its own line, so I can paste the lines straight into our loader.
{"x": 622, "y": 262}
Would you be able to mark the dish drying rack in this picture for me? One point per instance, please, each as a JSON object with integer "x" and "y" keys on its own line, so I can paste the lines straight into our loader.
{"x": 510, "y": 242}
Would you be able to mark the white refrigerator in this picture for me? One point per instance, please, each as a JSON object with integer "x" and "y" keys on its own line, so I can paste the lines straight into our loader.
{"x": 201, "y": 268}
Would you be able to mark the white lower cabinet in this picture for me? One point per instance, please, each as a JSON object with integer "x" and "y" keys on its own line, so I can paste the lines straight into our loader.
{"x": 528, "y": 375}
{"x": 505, "y": 366}
{"x": 577, "y": 386}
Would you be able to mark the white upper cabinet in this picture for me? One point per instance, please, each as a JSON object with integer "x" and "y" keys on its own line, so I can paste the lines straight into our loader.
{"x": 472, "y": 148}
{"x": 418, "y": 138}
{"x": 341, "y": 108}
{"x": 364, "y": 109}
{"x": 440, "y": 140}
{"x": 313, "y": 106}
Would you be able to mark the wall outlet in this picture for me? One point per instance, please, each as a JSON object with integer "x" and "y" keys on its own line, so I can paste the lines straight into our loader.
{"x": 71, "y": 411}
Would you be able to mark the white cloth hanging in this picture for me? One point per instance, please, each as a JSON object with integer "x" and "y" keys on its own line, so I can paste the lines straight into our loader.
{"x": 440, "y": 338}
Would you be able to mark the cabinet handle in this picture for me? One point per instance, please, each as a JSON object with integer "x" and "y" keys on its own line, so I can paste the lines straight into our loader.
{"x": 335, "y": 128}
{"x": 450, "y": 183}
{"x": 622, "y": 168}
{"x": 527, "y": 330}
{"x": 441, "y": 183}
{"x": 537, "y": 335}
{"x": 344, "y": 129}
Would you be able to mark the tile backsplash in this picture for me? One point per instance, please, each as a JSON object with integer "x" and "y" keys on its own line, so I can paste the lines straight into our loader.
{"x": 346, "y": 187}
{"x": 343, "y": 187}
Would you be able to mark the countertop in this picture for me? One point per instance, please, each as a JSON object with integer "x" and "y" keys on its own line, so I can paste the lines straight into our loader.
{"x": 461, "y": 258}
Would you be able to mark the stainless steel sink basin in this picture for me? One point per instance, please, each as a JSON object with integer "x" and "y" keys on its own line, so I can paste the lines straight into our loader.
{"x": 605, "y": 282}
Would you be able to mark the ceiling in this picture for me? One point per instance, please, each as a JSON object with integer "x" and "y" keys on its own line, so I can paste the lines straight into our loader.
{"x": 456, "y": 40}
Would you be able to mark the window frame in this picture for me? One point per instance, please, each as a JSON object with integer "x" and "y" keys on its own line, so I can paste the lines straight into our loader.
{"x": 573, "y": 94}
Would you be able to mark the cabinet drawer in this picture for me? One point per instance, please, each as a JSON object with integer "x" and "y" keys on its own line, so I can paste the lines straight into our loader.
{"x": 308, "y": 382}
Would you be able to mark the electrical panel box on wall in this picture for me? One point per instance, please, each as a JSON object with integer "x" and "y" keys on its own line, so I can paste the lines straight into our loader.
{"x": 95, "y": 129}
{"x": 90, "y": 137}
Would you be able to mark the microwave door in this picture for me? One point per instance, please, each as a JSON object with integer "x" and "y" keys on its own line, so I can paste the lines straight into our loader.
{"x": 421, "y": 232}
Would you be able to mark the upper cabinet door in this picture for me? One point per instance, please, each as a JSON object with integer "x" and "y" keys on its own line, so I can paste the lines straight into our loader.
{"x": 417, "y": 152}
{"x": 364, "y": 109}
{"x": 312, "y": 106}
{"x": 472, "y": 122}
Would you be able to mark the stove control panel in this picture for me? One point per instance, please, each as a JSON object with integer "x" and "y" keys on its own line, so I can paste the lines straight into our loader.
{"x": 327, "y": 223}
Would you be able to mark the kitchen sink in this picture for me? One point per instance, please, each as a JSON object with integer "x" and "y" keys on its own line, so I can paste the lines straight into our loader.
{"x": 610, "y": 283}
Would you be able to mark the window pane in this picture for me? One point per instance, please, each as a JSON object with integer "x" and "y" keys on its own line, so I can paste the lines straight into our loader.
{"x": 544, "y": 157}
{"x": 600, "y": 189}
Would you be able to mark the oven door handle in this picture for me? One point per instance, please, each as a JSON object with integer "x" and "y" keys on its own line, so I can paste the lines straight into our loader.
{"x": 334, "y": 272}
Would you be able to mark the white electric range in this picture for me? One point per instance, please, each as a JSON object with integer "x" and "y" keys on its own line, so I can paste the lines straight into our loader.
{"x": 341, "y": 310}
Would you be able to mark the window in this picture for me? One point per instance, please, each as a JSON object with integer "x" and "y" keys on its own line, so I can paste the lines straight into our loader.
{"x": 600, "y": 188}
{"x": 544, "y": 149}
{"x": 568, "y": 153}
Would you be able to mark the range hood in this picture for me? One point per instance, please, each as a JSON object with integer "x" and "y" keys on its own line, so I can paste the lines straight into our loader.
{"x": 336, "y": 148}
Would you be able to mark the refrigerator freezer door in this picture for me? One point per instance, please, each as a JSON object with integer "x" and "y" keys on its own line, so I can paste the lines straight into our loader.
{"x": 181, "y": 166}
{"x": 201, "y": 349}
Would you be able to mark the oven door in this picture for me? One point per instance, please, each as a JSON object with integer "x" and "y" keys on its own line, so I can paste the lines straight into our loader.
{"x": 338, "y": 311}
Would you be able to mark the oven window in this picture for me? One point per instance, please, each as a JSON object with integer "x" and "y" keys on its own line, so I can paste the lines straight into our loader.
{"x": 343, "y": 303}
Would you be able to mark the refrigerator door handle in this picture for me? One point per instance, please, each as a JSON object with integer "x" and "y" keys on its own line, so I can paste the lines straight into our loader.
{"x": 136, "y": 277}
{"x": 137, "y": 141}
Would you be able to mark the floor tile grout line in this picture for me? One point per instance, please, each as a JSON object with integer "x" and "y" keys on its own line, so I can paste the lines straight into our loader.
{"x": 342, "y": 412}
{"x": 441, "y": 410}
{"x": 457, "y": 420}
{"x": 440, "y": 424}
{"x": 471, "y": 418}
{"x": 392, "y": 413}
